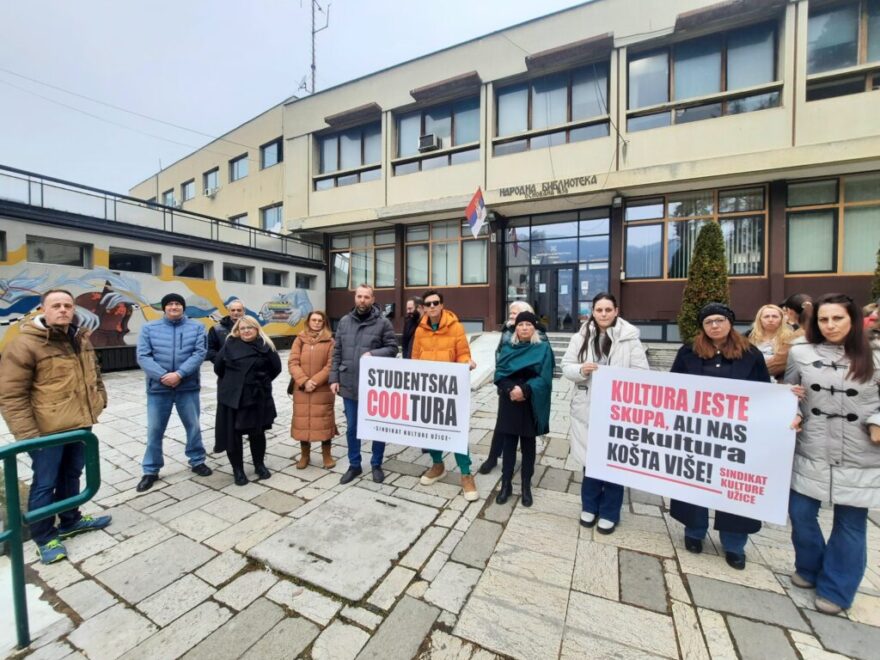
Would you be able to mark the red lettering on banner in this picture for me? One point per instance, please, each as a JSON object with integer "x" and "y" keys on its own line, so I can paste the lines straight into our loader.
{"x": 719, "y": 404}
{"x": 391, "y": 405}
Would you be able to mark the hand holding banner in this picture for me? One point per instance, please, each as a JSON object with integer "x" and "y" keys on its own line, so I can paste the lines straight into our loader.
{"x": 720, "y": 443}
{"x": 418, "y": 403}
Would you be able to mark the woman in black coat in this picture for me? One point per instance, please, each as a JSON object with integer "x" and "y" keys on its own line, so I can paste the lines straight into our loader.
{"x": 247, "y": 364}
{"x": 721, "y": 352}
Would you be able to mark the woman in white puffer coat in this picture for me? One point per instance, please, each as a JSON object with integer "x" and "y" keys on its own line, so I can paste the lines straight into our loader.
{"x": 605, "y": 339}
{"x": 837, "y": 454}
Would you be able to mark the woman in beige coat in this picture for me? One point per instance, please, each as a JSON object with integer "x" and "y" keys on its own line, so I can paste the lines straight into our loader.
{"x": 309, "y": 366}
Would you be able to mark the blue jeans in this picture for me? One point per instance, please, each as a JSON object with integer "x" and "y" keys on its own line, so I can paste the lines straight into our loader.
{"x": 56, "y": 477}
{"x": 734, "y": 542}
{"x": 354, "y": 445}
{"x": 837, "y": 566}
{"x": 158, "y": 411}
{"x": 602, "y": 497}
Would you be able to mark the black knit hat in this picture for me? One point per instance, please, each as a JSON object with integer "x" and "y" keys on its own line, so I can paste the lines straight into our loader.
{"x": 172, "y": 297}
{"x": 714, "y": 308}
{"x": 526, "y": 316}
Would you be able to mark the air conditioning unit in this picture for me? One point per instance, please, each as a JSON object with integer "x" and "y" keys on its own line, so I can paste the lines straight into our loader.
{"x": 429, "y": 142}
{"x": 210, "y": 192}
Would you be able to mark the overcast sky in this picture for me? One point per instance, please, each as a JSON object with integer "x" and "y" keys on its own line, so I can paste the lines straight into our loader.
{"x": 207, "y": 65}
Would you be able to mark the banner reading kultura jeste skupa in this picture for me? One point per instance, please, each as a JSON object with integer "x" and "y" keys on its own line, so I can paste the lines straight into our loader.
{"x": 415, "y": 402}
{"x": 716, "y": 442}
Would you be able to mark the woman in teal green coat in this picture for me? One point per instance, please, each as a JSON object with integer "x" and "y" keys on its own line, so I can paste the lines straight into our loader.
{"x": 524, "y": 378}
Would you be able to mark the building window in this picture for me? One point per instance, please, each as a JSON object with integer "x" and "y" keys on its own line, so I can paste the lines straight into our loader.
{"x": 349, "y": 157}
{"x": 446, "y": 254}
{"x": 843, "y": 49}
{"x": 834, "y": 225}
{"x": 274, "y": 277}
{"x": 237, "y": 273}
{"x": 661, "y": 232}
{"x": 304, "y": 281}
{"x": 241, "y": 219}
{"x": 133, "y": 261}
{"x": 736, "y": 70}
{"x": 271, "y": 218}
{"x": 168, "y": 198}
{"x": 271, "y": 154}
{"x": 211, "y": 180}
{"x": 440, "y": 136}
{"x": 238, "y": 168}
{"x": 60, "y": 253}
{"x": 186, "y": 267}
{"x": 362, "y": 258}
{"x": 188, "y": 190}
{"x": 555, "y": 109}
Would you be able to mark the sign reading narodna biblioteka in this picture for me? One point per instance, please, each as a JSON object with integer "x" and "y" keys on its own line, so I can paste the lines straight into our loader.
{"x": 415, "y": 402}
{"x": 716, "y": 442}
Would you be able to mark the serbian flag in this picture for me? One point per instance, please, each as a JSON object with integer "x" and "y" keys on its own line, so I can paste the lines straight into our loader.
{"x": 476, "y": 212}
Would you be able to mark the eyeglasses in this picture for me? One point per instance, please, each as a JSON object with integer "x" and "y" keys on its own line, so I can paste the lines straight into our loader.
{"x": 248, "y": 328}
{"x": 432, "y": 303}
{"x": 708, "y": 322}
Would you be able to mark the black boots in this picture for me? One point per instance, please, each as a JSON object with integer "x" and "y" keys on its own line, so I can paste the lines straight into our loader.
{"x": 239, "y": 476}
{"x": 505, "y": 492}
{"x": 527, "y": 493}
{"x": 262, "y": 471}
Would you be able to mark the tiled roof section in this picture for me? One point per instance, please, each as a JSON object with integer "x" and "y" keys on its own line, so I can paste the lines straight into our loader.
{"x": 723, "y": 11}
{"x": 466, "y": 83}
{"x": 354, "y": 116}
{"x": 594, "y": 48}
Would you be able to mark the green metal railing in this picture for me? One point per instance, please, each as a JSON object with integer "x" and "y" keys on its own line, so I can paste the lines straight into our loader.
{"x": 15, "y": 518}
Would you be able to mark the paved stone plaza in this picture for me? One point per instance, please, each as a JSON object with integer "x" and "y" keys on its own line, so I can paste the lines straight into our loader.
{"x": 299, "y": 566}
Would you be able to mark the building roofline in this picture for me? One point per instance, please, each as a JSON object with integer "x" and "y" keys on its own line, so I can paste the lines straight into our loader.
{"x": 219, "y": 138}
{"x": 443, "y": 50}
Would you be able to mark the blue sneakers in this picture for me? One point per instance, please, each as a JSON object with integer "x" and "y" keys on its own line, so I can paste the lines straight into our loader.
{"x": 51, "y": 552}
{"x": 84, "y": 524}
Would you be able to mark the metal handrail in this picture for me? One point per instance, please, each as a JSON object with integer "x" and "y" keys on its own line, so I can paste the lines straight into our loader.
{"x": 15, "y": 518}
{"x": 115, "y": 204}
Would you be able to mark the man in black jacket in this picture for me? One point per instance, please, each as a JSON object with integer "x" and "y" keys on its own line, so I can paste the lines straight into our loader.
{"x": 362, "y": 332}
{"x": 218, "y": 334}
{"x": 414, "y": 310}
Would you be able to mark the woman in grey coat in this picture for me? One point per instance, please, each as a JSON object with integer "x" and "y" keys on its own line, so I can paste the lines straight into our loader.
{"x": 837, "y": 455}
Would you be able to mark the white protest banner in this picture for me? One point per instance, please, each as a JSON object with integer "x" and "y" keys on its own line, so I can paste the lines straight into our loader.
{"x": 717, "y": 442}
{"x": 418, "y": 403}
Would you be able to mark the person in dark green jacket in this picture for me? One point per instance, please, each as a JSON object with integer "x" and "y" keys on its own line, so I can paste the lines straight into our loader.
{"x": 524, "y": 378}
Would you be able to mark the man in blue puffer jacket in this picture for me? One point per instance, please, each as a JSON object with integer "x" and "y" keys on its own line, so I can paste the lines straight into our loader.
{"x": 170, "y": 351}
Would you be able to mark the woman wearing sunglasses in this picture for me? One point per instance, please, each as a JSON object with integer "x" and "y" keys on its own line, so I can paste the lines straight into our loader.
{"x": 718, "y": 351}
{"x": 837, "y": 455}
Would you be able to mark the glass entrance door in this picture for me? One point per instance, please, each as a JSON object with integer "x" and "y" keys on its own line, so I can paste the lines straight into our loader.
{"x": 554, "y": 297}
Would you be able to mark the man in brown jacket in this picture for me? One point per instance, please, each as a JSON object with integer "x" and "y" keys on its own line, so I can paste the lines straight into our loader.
{"x": 50, "y": 382}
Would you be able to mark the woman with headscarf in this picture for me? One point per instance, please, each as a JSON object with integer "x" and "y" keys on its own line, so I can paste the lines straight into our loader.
{"x": 524, "y": 378}
{"x": 247, "y": 364}
{"x": 773, "y": 337}
{"x": 605, "y": 339}
{"x": 837, "y": 454}
{"x": 718, "y": 351}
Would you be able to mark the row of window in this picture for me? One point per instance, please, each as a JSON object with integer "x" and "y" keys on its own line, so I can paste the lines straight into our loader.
{"x": 832, "y": 226}
{"x": 271, "y": 218}
{"x": 271, "y": 154}
{"x": 731, "y": 72}
{"x": 68, "y": 253}
{"x": 437, "y": 254}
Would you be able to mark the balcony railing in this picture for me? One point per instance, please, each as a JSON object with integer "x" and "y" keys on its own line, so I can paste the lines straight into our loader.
{"x": 59, "y": 195}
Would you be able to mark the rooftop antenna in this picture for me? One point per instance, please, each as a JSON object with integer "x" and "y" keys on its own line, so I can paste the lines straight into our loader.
{"x": 315, "y": 31}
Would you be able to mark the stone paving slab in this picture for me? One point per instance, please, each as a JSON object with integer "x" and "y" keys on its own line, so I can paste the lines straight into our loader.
{"x": 401, "y": 635}
{"x": 240, "y": 633}
{"x": 757, "y": 641}
{"x": 308, "y": 548}
{"x": 744, "y": 601}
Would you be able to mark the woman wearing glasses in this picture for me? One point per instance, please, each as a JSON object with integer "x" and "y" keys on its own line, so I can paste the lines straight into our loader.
{"x": 247, "y": 364}
{"x": 837, "y": 455}
{"x": 721, "y": 352}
